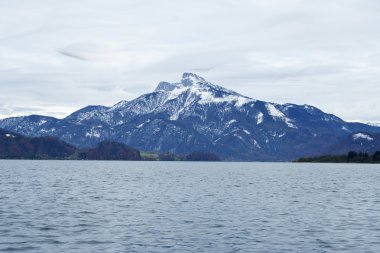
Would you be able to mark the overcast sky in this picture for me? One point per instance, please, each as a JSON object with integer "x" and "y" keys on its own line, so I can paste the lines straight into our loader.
{"x": 58, "y": 56}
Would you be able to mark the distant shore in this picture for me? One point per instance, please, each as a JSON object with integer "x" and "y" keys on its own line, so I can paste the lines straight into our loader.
{"x": 350, "y": 157}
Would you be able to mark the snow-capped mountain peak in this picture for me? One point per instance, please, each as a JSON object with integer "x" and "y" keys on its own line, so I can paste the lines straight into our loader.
{"x": 197, "y": 89}
{"x": 189, "y": 79}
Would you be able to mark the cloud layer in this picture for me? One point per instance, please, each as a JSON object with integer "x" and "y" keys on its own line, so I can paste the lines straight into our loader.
{"x": 58, "y": 56}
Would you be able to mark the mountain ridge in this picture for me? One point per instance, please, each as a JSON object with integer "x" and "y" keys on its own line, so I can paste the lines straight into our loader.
{"x": 196, "y": 115}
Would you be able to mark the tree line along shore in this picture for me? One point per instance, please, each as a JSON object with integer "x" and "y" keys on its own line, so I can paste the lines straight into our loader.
{"x": 350, "y": 157}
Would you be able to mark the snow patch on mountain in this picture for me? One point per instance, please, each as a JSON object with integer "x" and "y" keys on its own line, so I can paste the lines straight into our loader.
{"x": 208, "y": 98}
{"x": 256, "y": 144}
{"x": 47, "y": 131}
{"x": 238, "y": 136}
{"x": 231, "y": 122}
{"x": 142, "y": 124}
{"x": 41, "y": 122}
{"x": 176, "y": 92}
{"x": 259, "y": 118}
{"x": 274, "y": 112}
{"x": 277, "y": 114}
{"x": 362, "y": 136}
{"x": 277, "y": 135}
{"x": 93, "y": 133}
{"x": 246, "y": 131}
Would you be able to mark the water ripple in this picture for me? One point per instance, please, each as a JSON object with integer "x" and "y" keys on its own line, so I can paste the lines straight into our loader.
{"x": 77, "y": 206}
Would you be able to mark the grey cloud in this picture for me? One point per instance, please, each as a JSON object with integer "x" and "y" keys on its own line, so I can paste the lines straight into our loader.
{"x": 67, "y": 54}
{"x": 72, "y": 55}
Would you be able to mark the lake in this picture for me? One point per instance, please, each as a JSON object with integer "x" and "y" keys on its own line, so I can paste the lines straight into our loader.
{"x": 92, "y": 206}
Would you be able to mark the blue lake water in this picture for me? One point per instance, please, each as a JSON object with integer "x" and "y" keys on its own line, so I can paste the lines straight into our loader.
{"x": 81, "y": 206}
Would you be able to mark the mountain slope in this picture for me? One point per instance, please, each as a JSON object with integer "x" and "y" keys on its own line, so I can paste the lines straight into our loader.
{"x": 196, "y": 115}
{"x": 359, "y": 141}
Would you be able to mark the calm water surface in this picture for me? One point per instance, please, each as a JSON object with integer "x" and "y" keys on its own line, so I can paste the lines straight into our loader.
{"x": 78, "y": 206}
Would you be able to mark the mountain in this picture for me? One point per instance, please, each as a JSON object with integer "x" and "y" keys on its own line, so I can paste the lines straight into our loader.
{"x": 196, "y": 115}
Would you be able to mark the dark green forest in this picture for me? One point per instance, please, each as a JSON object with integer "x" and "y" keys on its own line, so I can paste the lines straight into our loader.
{"x": 15, "y": 146}
{"x": 350, "y": 157}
